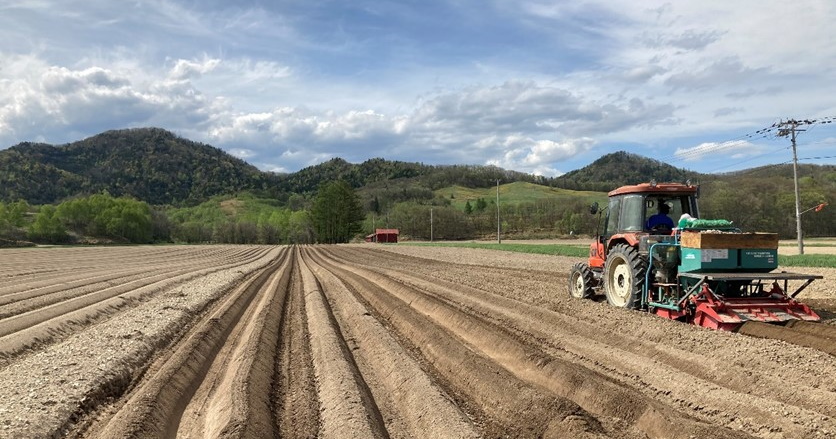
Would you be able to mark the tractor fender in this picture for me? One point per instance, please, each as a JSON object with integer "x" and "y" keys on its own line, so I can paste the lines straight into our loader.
{"x": 631, "y": 239}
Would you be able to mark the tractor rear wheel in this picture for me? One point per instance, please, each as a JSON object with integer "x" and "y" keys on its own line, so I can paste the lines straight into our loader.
{"x": 581, "y": 281}
{"x": 624, "y": 274}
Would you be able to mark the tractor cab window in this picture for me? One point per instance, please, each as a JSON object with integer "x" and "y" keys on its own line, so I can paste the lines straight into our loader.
{"x": 625, "y": 214}
{"x": 656, "y": 208}
{"x": 613, "y": 214}
{"x": 632, "y": 213}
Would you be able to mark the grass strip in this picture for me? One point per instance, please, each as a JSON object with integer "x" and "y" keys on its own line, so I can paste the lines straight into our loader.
{"x": 824, "y": 261}
{"x": 542, "y": 249}
{"x": 808, "y": 245}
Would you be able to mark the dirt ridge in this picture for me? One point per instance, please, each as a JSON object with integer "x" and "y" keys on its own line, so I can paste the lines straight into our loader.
{"x": 381, "y": 341}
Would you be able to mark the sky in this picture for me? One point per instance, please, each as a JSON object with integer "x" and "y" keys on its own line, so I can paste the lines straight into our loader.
{"x": 543, "y": 87}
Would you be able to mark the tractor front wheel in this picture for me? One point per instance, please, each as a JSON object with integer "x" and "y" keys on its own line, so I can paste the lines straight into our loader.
{"x": 623, "y": 277}
{"x": 581, "y": 281}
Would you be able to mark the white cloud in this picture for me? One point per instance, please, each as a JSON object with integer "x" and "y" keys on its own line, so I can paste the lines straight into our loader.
{"x": 54, "y": 99}
{"x": 523, "y": 126}
{"x": 242, "y": 153}
{"x": 733, "y": 149}
{"x": 286, "y": 84}
{"x": 535, "y": 156}
{"x": 188, "y": 69}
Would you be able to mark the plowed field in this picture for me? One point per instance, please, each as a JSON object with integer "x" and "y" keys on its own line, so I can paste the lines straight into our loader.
{"x": 380, "y": 342}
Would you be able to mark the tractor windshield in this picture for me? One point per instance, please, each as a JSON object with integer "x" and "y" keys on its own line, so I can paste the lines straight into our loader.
{"x": 671, "y": 207}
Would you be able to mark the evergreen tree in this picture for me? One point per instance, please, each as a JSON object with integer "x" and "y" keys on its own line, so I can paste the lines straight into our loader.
{"x": 375, "y": 207}
{"x": 337, "y": 213}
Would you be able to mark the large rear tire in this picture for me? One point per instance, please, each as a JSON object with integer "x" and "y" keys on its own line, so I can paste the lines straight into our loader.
{"x": 581, "y": 281}
{"x": 623, "y": 277}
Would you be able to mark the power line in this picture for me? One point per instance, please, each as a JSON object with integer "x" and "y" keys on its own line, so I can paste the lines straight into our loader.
{"x": 819, "y": 157}
{"x": 750, "y": 159}
{"x": 709, "y": 147}
{"x": 771, "y": 132}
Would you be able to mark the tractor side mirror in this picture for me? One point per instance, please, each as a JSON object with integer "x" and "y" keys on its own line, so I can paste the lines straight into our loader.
{"x": 593, "y": 209}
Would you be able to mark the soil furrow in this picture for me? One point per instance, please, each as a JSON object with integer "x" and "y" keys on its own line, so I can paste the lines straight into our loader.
{"x": 234, "y": 397}
{"x": 380, "y": 341}
{"x": 585, "y": 387}
{"x": 343, "y": 396}
{"x": 802, "y": 337}
{"x": 530, "y": 413}
{"x": 154, "y": 409}
{"x": 817, "y": 329}
{"x": 65, "y": 279}
{"x": 411, "y": 403}
{"x": 294, "y": 393}
{"x": 724, "y": 385}
{"x": 61, "y": 388}
{"x": 46, "y": 325}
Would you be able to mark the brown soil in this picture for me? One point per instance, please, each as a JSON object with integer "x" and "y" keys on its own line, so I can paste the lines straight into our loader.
{"x": 380, "y": 341}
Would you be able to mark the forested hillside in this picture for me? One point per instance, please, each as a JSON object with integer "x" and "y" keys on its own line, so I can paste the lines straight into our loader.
{"x": 149, "y": 164}
{"x": 144, "y": 185}
{"x": 378, "y": 172}
{"x": 764, "y": 199}
{"x": 619, "y": 169}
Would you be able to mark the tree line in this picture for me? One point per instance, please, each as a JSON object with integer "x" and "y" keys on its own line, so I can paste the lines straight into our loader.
{"x": 338, "y": 213}
{"x": 441, "y": 221}
{"x": 334, "y": 215}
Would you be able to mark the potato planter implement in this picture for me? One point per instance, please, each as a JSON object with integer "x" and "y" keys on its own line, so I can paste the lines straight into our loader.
{"x": 708, "y": 273}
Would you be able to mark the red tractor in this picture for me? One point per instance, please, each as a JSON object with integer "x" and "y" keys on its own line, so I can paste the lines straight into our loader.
{"x": 704, "y": 273}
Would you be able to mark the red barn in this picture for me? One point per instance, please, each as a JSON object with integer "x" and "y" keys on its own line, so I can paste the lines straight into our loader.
{"x": 383, "y": 235}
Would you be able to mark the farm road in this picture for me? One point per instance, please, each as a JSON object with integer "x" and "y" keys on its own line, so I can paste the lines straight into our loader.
{"x": 379, "y": 341}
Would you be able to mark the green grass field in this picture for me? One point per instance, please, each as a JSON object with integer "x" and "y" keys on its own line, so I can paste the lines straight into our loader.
{"x": 806, "y": 244}
{"x": 542, "y": 249}
{"x": 824, "y": 261}
{"x": 517, "y": 193}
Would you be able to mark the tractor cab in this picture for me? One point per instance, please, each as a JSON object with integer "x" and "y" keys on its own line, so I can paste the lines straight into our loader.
{"x": 630, "y": 220}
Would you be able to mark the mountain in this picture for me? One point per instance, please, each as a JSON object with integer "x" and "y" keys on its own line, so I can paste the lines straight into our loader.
{"x": 379, "y": 171}
{"x": 158, "y": 167}
{"x": 619, "y": 169}
{"x": 309, "y": 179}
{"x": 150, "y": 164}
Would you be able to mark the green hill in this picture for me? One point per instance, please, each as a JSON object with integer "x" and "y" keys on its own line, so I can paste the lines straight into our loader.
{"x": 149, "y": 164}
{"x": 619, "y": 169}
{"x": 517, "y": 193}
{"x": 157, "y": 167}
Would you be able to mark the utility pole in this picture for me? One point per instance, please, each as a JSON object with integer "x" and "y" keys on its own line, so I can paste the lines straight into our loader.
{"x": 498, "y": 224}
{"x": 790, "y": 127}
{"x": 431, "y": 224}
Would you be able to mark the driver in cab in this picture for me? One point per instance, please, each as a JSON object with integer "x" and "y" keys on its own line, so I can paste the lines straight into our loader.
{"x": 660, "y": 221}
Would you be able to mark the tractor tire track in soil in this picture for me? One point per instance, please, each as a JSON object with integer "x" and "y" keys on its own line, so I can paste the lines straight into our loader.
{"x": 381, "y": 342}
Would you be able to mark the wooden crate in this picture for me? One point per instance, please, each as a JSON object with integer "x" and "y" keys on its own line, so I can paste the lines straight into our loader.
{"x": 729, "y": 240}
